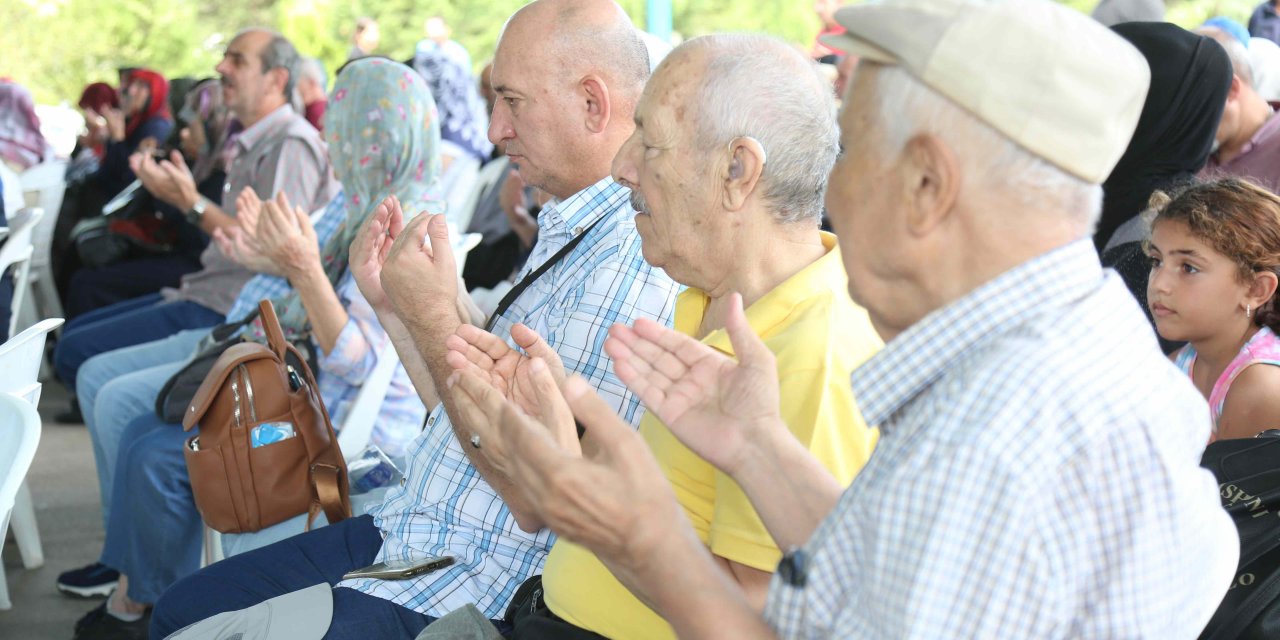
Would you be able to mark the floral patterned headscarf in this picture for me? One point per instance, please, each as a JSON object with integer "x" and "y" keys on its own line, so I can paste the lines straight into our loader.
{"x": 383, "y": 134}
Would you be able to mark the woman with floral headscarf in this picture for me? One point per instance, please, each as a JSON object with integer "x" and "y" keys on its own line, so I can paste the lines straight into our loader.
{"x": 383, "y": 137}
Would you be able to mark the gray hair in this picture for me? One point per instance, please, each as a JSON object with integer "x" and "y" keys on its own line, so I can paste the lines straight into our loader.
{"x": 280, "y": 54}
{"x": 903, "y": 107}
{"x": 314, "y": 69}
{"x": 751, "y": 88}
{"x": 1241, "y": 63}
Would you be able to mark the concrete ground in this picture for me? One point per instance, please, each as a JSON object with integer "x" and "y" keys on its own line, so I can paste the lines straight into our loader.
{"x": 64, "y": 487}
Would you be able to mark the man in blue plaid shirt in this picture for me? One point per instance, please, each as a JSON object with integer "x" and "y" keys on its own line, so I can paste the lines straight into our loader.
{"x": 568, "y": 74}
{"x": 1036, "y": 475}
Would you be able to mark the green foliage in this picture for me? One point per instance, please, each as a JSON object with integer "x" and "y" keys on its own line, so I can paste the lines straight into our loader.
{"x": 55, "y": 47}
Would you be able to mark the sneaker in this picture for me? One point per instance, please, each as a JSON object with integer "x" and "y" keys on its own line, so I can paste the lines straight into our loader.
{"x": 89, "y": 581}
{"x": 72, "y": 415}
{"x": 100, "y": 625}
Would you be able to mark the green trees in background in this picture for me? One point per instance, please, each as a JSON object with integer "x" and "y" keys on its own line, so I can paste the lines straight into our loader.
{"x": 55, "y": 47}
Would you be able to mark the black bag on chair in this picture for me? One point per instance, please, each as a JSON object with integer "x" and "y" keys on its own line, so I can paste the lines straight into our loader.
{"x": 1248, "y": 473}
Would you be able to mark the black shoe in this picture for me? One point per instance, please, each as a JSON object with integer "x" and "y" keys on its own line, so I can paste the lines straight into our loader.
{"x": 100, "y": 625}
{"x": 89, "y": 581}
{"x": 72, "y": 415}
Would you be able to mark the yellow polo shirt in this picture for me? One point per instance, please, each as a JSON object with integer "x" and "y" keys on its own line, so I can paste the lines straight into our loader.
{"x": 818, "y": 336}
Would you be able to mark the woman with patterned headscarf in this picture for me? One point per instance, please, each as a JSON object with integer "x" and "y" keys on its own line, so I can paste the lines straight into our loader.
{"x": 464, "y": 123}
{"x": 383, "y": 135}
{"x": 22, "y": 146}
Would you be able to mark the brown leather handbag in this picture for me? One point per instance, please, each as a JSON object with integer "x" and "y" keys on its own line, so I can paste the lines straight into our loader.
{"x": 266, "y": 450}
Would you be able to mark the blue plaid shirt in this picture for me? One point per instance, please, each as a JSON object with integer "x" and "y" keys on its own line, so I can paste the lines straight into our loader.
{"x": 445, "y": 506}
{"x": 1037, "y": 477}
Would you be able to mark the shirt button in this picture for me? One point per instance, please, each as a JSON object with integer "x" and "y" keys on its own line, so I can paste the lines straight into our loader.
{"x": 794, "y": 568}
{"x": 577, "y": 231}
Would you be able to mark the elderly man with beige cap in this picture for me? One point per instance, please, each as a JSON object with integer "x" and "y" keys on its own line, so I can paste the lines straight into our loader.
{"x": 1036, "y": 475}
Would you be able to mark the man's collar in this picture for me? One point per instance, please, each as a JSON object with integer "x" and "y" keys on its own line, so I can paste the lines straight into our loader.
{"x": 915, "y": 359}
{"x": 775, "y": 307}
{"x": 580, "y": 210}
{"x": 250, "y": 137}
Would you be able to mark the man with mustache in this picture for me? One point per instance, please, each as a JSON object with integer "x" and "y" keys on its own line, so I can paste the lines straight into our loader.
{"x": 278, "y": 151}
{"x": 735, "y": 137}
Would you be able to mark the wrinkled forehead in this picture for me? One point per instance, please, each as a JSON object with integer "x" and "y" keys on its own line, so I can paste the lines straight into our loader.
{"x": 671, "y": 95}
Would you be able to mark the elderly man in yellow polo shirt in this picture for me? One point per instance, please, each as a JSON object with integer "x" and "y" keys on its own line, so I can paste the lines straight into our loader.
{"x": 735, "y": 136}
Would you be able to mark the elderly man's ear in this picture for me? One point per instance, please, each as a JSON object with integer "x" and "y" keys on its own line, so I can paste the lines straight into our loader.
{"x": 742, "y": 171}
{"x": 932, "y": 179}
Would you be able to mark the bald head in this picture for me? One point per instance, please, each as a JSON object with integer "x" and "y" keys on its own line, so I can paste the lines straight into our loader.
{"x": 585, "y": 37}
{"x": 568, "y": 74}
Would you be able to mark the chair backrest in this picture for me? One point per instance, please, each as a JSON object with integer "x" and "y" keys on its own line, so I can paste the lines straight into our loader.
{"x": 48, "y": 181}
{"x": 20, "y": 359}
{"x": 13, "y": 193}
{"x": 357, "y": 427}
{"x": 490, "y": 174}
{"x": 19, "y": 435}
{"x": 17, "y": 250}
{"x": 456, "y": 184}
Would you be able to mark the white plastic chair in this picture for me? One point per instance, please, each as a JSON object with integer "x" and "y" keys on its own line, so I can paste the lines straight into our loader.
{"x": 17, "y": 251}
{"x": 13, "y": 193}
{"x": 19, "y": 435}
{"x": 46, "y": 182}
{"x": 20, "y": 360}
{"x": 457, "y": 183}
{"x": 490, "y": 174}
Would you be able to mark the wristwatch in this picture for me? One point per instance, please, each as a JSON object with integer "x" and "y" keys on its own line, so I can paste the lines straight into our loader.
{"x": 196, "y": 212}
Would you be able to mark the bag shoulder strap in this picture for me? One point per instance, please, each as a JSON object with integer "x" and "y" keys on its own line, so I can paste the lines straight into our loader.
{"x": 325, "y": 480}
{"x": 524, "y": 283}
{"x": 271, "y": 326}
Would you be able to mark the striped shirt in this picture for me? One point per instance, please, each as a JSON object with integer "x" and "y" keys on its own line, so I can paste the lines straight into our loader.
{"x": 445, "y": 506}
{"x": 1037, "y": 477}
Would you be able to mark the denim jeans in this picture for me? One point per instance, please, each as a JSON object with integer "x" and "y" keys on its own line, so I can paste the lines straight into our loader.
{"x": 154, "y": 533}
{"x": 124, "y": 324}
{"x": 117, "y": 387}
{"x": 321, "y": 555}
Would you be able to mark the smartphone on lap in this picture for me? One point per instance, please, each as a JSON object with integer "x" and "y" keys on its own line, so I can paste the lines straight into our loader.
{"x": 401, "y": 569}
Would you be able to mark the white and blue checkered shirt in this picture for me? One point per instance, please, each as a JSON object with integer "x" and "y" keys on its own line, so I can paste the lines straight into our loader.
{"x": 1036, "y": 477}
{"x": 445, "y": 506}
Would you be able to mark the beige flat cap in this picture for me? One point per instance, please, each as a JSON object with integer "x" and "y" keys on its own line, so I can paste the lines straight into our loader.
{"x": 1056, "y": 82}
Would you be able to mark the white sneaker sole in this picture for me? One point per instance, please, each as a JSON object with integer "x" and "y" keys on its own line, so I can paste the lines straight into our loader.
{"x": 100, "y": 591}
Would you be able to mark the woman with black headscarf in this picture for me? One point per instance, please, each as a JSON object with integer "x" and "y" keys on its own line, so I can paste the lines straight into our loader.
{"x": 1190, "y": 78}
